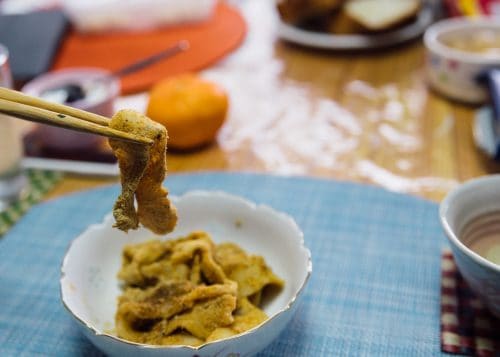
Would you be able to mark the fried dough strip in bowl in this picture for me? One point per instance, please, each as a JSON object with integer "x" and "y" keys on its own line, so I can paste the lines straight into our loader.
{"x": 143, "y": 170}
{"x": 250, "y": 271}
{"x": 143, "y": 310}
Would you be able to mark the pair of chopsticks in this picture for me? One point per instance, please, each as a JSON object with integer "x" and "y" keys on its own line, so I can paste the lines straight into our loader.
{"x": 22, "y": 106}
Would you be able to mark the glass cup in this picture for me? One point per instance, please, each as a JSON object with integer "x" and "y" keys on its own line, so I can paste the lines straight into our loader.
{"x": 12, "y": 179}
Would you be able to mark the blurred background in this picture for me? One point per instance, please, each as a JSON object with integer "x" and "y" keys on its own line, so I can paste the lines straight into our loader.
{"x": 360, "y": 90}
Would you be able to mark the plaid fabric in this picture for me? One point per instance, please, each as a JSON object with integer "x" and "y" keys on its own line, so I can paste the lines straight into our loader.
{"x": 374, "y": 291}
{"x": 466, "y": 326}
{"x": 40, "y": 183}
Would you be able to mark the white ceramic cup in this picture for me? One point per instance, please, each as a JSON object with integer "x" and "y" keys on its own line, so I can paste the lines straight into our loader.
{"x": 12, "y": 179}
{"x": 467, "y": 201}
{"x": 452, "y": 72}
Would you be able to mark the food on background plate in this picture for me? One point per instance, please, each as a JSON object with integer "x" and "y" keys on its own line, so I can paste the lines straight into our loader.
{"x": 340, "y": 23}
{"x": 295, "y": 11}
{"x": 189, "y": 291}
{"x": 191, "y": 108}
{"x": 350, "y": 16}
{"x": 379, "y": 15}
{"x": 143, "y": 170}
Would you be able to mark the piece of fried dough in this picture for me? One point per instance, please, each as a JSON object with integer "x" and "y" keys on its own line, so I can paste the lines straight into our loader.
{"x": 180, "y": 291}
{"x": 142, "y": 170}
{"x": 250, "y": 271}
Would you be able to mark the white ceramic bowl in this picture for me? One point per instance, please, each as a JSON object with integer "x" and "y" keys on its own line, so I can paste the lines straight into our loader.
{"x": 464, "y": 203}
{"x": 453, "y": 72}
{"x": 89, "y": 287}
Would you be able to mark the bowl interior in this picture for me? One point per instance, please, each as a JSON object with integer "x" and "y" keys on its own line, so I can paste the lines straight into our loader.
{"x": 89, "y": 285}
{"x": 100, "y": 87}
{"x": 460, "y": 212}
{"x": 470, "y": 200}
{"x": 460, "y": 39}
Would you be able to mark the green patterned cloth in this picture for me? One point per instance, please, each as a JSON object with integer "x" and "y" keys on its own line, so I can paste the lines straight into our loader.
{"x": 40, "y": 183}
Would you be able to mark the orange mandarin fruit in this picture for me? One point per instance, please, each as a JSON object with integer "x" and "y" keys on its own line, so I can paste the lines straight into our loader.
{"x": 191, "y": 108}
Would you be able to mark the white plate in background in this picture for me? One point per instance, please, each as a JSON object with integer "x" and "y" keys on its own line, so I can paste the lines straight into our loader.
{"x": 324, "y": 40}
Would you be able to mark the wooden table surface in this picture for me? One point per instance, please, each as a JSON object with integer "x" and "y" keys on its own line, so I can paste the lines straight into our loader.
{"x": 366, "y": 117}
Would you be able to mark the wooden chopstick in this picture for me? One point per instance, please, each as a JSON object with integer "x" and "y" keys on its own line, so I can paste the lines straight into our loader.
{"x": 44, "y": 116}
{"x": 18, "y": 97}
{"x": 34, "y": 109}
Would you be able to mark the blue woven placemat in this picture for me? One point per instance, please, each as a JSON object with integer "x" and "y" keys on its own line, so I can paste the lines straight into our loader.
{"x": 375, "y": 288}
{"x": 40, "y": 182}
